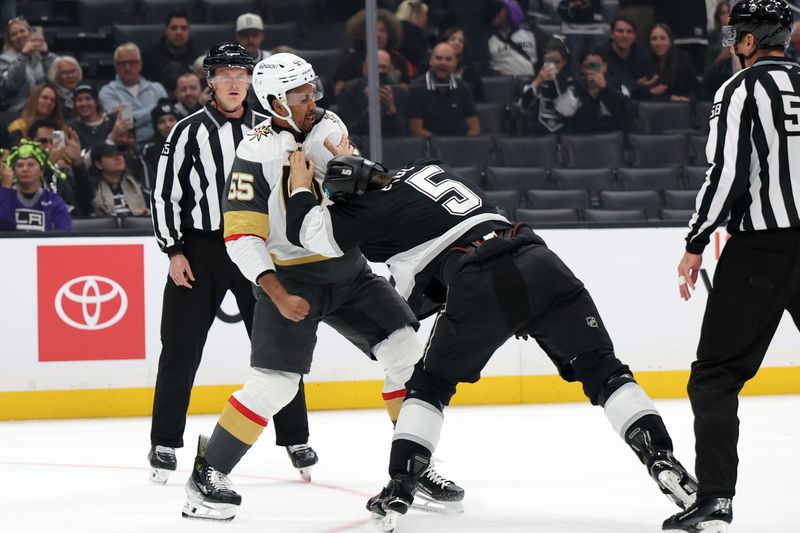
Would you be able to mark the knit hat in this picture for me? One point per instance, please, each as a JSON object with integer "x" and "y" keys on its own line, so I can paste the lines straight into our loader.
{"x": 104, "y": 149}
{"x": 162, "y": 108}
{"x": 84, "y": 88}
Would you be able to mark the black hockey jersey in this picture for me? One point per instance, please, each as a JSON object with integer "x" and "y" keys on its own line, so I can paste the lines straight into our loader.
{"x": 410, "y": 225}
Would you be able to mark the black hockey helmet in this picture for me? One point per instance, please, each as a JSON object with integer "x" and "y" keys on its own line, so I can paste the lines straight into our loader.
{"x": 770, "y": 22}
{"x": 227, "y": 55}
{"x": 347, "y": 176}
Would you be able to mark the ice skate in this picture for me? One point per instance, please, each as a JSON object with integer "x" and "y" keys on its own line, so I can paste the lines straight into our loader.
{"x": 396, "y": 498}
{"x": 303, "y": 458}
{"x": 707, "y": 516}
{"x": 436, "y": 494}
{"x": 672, "y": 478}
{"x": 209, "y": 493}
{"x": 162, "y": 462}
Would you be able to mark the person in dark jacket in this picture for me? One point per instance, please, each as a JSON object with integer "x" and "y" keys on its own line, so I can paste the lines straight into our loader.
{"x": 466, "y": 70}
{"x": 677, "y": 79}
{"x": 627, "y": 62}
{"x": 353, "y": 106}
{"x": 688, "y": 20}
{"x": 171, "y": 56}
{"x": 603, "y": 103}
{"x": 164, "y": 115}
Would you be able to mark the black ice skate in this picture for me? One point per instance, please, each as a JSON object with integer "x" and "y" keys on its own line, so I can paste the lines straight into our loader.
{"x": 209, "y": 494}
{"x": 436, "y": 494}
{"x": 670, "y": 476}
{"x": 396, "y": 498}
{"x": 707, "y": 516}
{"x": 162, "y": 462}
{"x": 303, "y": 458}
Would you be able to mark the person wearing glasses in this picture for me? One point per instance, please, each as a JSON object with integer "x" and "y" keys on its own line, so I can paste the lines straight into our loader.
{"x": 196, "y": 158}
{"x": 130, "y": 93}
{"x": 24, "y": 62}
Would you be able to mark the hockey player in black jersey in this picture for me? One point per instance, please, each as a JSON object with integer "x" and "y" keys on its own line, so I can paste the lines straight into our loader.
{"x": 449, "y": 250}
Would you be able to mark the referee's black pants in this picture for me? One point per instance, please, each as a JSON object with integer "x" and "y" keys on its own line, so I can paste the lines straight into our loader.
{"x": 186, "y": 317}
{"x": 757, "y": 278}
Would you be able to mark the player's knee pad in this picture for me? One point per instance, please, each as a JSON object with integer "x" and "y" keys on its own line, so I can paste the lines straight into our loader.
{"x": 267, "y": 391}
{"x": 398, "y": 354}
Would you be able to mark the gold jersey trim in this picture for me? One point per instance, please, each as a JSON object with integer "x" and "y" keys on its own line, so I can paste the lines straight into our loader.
{"x": 246, "y": 223}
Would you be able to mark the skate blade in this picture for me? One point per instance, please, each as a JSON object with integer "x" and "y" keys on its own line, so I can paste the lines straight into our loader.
{"x": 385, "y": 522}
{"x": 159, "y": 476}
{"x": 305, "y": 473}
{"x": 713, "y": 526}
{"x": 196, "y": 508}
{"x": 679, "y": 494}
{"x": 428, "y": 505}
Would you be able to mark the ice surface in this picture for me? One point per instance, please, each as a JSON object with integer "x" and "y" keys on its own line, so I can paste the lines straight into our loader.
{"x": 528, "y": 468}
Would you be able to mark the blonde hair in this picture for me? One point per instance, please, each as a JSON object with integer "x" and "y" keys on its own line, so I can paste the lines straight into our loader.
{"x": 7, "y": 43}
{"x": 53, "y": 72}
{"x": 408, "y": 10}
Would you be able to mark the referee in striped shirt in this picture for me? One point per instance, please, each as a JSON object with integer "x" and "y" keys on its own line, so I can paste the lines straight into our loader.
{"x": 192, "y": 170}
{"x": 754, "y": 152}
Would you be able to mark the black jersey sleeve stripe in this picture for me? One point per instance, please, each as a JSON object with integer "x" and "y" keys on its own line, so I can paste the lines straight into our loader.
{"x": 703, "y": 226}
{"x": 163, "y": 210}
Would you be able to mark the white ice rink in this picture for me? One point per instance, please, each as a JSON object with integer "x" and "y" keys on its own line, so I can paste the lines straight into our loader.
{"x": 531, "y": 468}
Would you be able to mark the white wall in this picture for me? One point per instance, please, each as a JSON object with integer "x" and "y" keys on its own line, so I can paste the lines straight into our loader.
{"x": 631, "y": 274}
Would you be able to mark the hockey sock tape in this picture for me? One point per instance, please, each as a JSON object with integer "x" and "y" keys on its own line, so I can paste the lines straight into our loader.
{"x": 419, "y": 422}
{"x": 627, "y": 405}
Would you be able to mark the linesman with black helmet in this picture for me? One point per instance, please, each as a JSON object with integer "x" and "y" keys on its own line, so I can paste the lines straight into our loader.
{"x": 192, "y": 169}
{"x": 753, "y": 177}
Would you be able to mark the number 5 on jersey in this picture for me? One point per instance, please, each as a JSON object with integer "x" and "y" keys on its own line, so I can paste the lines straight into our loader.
{"x": 241, "y": 187}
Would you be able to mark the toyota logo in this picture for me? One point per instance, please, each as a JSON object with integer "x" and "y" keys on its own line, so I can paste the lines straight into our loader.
{"x": 92, "y": 293}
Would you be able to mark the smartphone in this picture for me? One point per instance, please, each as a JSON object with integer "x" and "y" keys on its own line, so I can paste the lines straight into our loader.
{"x": 126, "y": 113}
{"x": 59, "y": 139}
{"x": 37, "y": 32}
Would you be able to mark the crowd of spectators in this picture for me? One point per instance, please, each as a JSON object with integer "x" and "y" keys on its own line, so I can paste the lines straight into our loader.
{"x": 103, "y": 138}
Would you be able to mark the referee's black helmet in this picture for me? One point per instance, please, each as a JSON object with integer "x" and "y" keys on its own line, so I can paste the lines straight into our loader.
{"x": 348, "y": 176}
{"x": 227, "y": 55}
{"x": 770, "y": 22}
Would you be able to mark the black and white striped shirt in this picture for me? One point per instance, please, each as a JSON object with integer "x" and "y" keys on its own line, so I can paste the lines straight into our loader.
{"x": 754, "y": 152}
{"x": 194, "y": 164}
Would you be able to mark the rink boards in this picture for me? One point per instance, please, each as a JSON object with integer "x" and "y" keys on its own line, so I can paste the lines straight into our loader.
{"x": 80, "y": 317}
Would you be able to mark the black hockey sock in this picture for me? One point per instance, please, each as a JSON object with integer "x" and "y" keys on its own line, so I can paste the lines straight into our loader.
{"x": 648, "y": 433}
{"x": 402, "y": 451}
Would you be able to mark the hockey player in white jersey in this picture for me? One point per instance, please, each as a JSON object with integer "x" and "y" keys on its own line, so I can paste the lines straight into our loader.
{"x": 299, "y": 289}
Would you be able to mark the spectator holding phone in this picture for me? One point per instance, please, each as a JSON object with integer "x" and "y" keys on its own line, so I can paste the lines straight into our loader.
{"x": 603, "y": 103}
{"x": 548, "y": 98}
{"x": 24, "y": 62}
{"x": 131, "y": 94}
{"x": 353, "y": 104}
{"x": 42, "y": 103}
{"x": 66, "y": 172}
